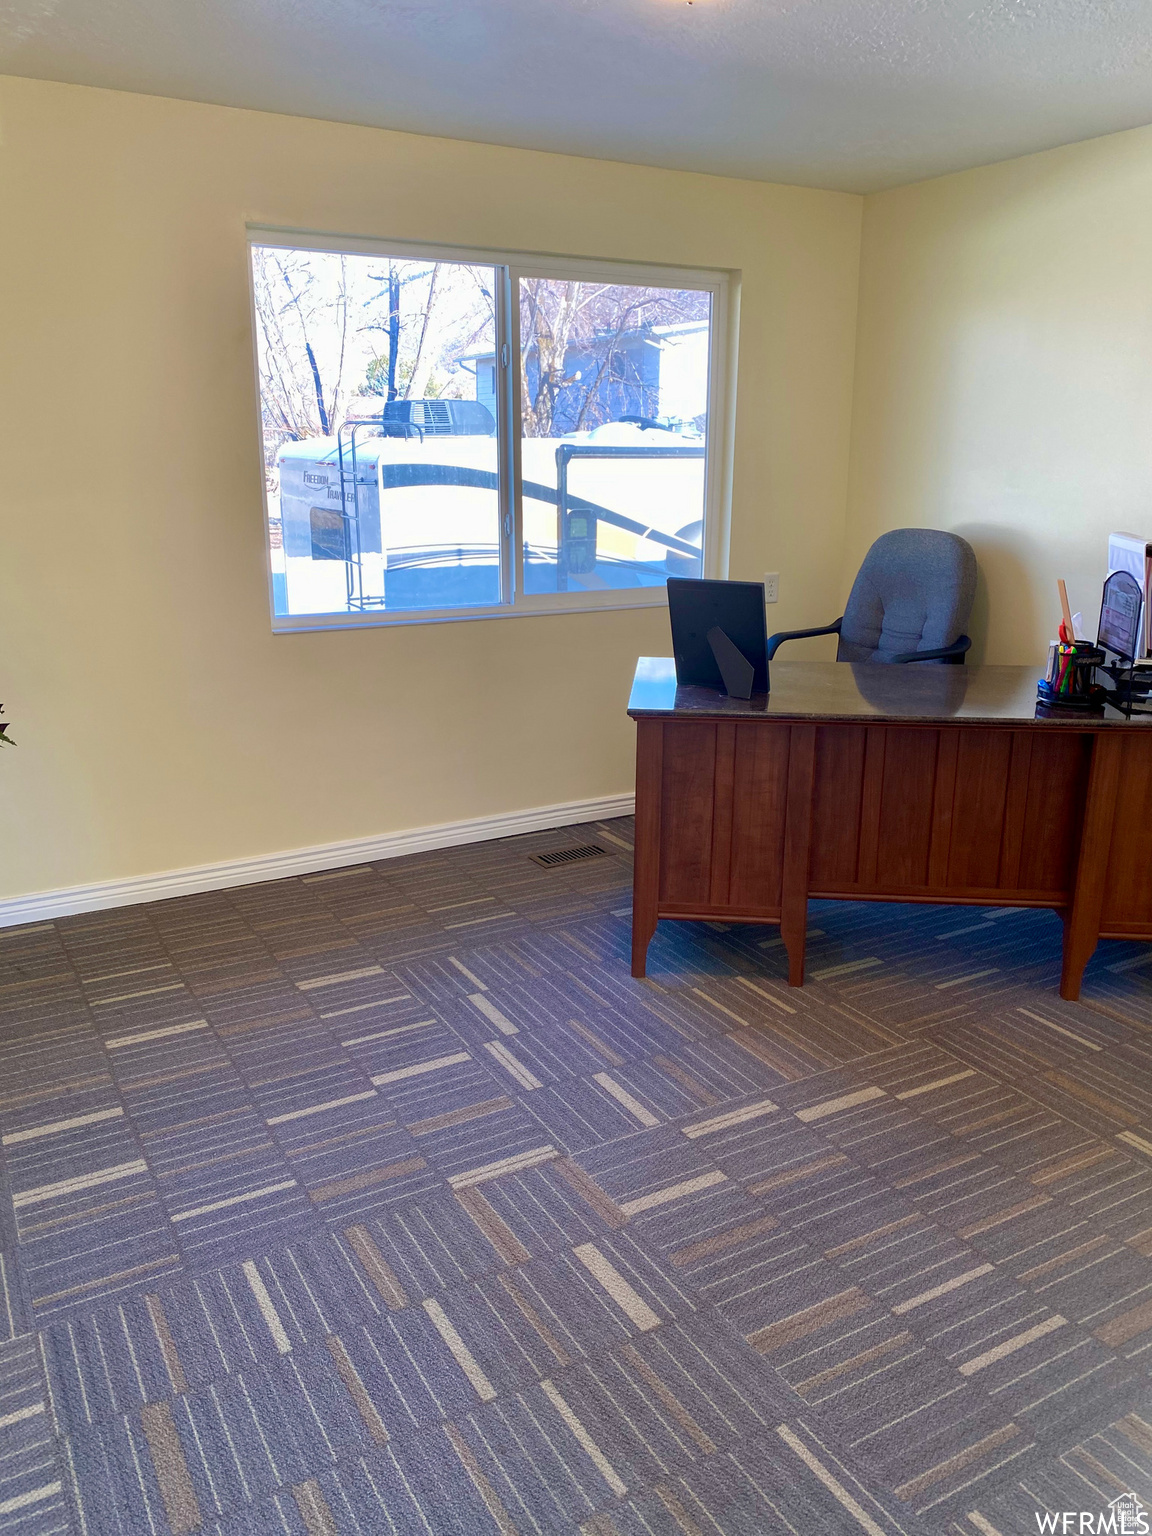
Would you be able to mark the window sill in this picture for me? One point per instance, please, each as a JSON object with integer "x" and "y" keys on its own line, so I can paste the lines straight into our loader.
{"x": 582, "y": 602}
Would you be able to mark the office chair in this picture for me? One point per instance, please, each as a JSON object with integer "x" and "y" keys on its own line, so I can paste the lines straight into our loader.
{"x": 910, "y": 601}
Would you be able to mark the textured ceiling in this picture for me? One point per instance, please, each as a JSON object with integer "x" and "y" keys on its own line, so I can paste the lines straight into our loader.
{"x": 856, "y": 94}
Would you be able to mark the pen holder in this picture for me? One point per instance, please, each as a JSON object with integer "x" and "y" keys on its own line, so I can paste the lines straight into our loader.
{"x": 1069, "y": 681}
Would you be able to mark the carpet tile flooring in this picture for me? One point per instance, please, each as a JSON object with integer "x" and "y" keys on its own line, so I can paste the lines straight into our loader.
{"x": 384, "y": 1200}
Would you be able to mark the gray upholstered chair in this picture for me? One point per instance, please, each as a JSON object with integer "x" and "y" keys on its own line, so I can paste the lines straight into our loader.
{"x": 910, "y": 601}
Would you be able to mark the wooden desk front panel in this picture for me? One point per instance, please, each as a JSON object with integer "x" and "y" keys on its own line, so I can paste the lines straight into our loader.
{"x": 964, "y": 813}
{"x": 722, "y": 816}
{"x": 1127, "y": 907}
{"x": 955, "y": 812}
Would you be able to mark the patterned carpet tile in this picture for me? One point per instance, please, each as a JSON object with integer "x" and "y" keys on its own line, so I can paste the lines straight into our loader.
{"x": 385, "y": 1200}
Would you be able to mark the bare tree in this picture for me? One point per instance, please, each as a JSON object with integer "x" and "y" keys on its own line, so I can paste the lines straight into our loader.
{"x": 570, "y": 343}
{"x": 548, "y": 314}
{"x": 304, "y": 333}
{"x": 403, "y": 377}
{"x": 424, "y": 359}
{"x": 393, "y": 327}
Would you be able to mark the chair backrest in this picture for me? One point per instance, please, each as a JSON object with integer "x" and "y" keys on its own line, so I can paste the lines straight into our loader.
{"x": 913, "y": 593}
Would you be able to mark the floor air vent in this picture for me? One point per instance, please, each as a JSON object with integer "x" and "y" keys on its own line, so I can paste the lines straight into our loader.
{"x": 568, "y": 855}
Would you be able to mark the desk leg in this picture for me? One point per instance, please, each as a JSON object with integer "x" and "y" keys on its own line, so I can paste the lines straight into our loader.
{"x": 1082, "y": 922}
{"x": 797, "y": 840}
{"x": 646, "y": 863}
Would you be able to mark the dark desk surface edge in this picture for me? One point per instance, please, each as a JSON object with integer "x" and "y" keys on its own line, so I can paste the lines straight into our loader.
{"x": 868, "y": 692}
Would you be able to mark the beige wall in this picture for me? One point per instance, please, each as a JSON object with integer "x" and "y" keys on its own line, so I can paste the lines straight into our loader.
{"x": 1004, "y": 375}
{"x": 160, "y": 723}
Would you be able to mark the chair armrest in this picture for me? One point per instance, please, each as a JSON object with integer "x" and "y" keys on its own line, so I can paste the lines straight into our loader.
{"x": 776, "y": 641}
{"x": 953, "y": 652}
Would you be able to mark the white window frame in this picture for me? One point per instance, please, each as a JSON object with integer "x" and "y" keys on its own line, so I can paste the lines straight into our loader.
{"x": 510, "y": 266}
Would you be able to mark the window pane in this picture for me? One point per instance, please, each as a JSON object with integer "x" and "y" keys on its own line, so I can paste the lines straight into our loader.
{"x": 377, "y": 395}
{"x": 614, "y": 410}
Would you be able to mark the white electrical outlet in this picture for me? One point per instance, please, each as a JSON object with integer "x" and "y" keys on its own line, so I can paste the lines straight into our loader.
{"x": 771, "y": 586}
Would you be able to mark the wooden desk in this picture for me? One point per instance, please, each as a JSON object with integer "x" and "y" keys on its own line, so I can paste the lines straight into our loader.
{"x": 887, "y": 783}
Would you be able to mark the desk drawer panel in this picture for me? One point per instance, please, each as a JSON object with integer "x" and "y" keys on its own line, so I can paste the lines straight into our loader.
{"x": 1128, "y": 887}
{"x": 723, "y": 792}
{"x": 1052, "y": 813}
{"x": 687, "y": 811}
{"x": 908, "y": 785}
{"x": 760, "y": 790}
{"x": 980, "y": 801}
{"x": 836, "y": 806}
{"x": 873, "y": 807}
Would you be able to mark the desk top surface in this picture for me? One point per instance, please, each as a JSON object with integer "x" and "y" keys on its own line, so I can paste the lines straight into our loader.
{"x": 841, "y": 690}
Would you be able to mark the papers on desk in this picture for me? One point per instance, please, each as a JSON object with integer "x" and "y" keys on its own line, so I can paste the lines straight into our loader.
{"x": 1128, "y": 552}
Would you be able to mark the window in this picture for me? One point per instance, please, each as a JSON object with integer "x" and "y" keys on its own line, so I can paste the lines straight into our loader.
{"x": 455, "y": 435}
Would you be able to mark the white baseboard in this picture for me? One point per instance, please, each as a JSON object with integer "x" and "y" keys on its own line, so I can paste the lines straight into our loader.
{"x": 41, "y": 906}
